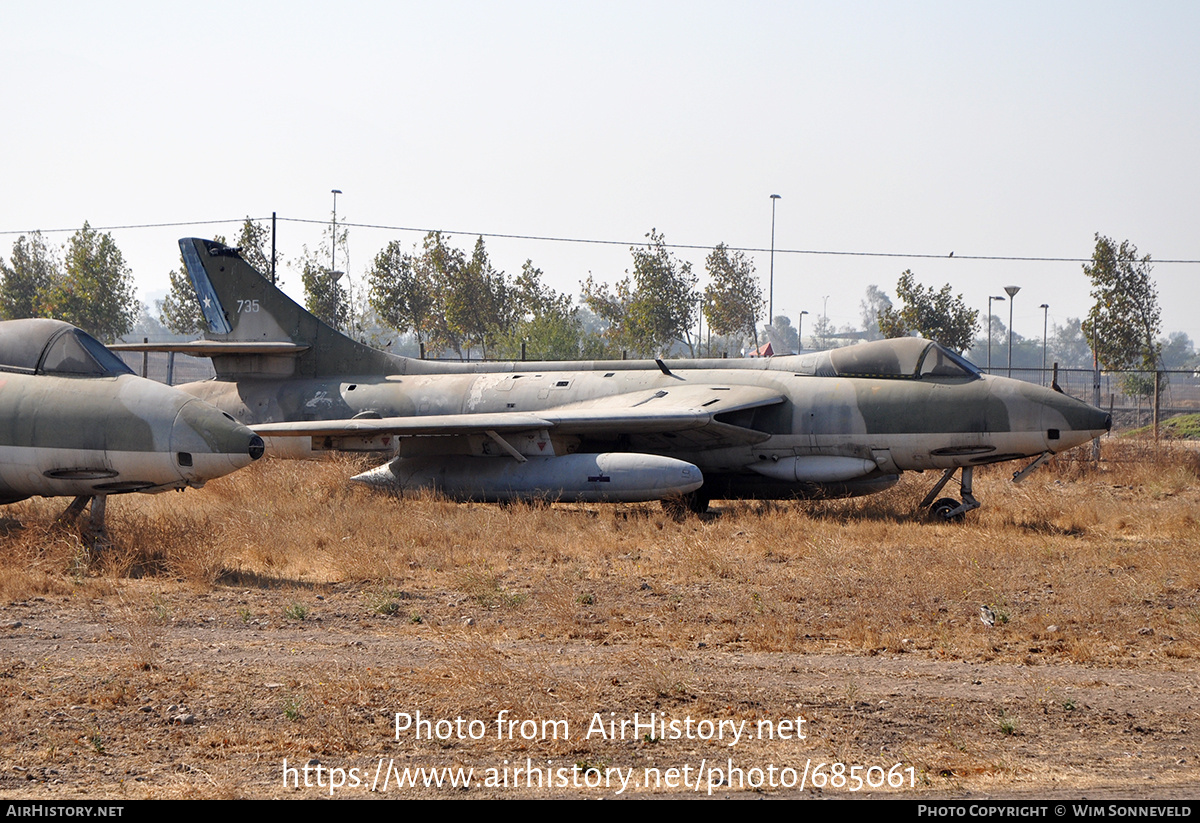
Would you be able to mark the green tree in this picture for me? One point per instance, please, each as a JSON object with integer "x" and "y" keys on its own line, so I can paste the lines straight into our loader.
{"x": 784, "y": 337}
{"x": 446, "y": 298}
{"x": 1124, "y": 321}
{"x": 24, "y": 283}
{"x": 440, "y": 264}
{"x": 666, "y": 301}
{"x": 148, "y": 326}
{"x": 822, "y": 330}
{"x": 324, "y": 294}
{"x": 403, "y": 293}
{"x": 611, "y": 308}
{"x": 1068, "y": 346}
{"x": 95, "y": 291}
{"x": 733, "y": 299}
{"x": 937, "y": 315}
{"x": 875, "y": 301}
{"x": 549, "y": 325}
{"x": 254, "y": 244}
{"x": 180, "y": 311}
{"x": 479, "y": 306}
{"x": 1178, "y": 352}
{"x": 654, "y": 307}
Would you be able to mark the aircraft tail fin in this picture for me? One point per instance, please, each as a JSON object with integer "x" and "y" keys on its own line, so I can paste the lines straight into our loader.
{"x": 243, "y": 307}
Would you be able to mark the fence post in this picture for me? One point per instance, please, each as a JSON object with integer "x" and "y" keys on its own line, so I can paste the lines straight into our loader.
{"x": 1157, "y": 393}
{"x": 1095, "y": 400}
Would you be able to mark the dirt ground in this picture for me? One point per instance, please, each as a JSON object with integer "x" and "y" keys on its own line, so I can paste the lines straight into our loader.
{"x": 634, "y": 669}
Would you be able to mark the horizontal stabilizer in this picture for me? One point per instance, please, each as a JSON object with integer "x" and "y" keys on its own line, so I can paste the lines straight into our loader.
{"x": 216, "y": 348}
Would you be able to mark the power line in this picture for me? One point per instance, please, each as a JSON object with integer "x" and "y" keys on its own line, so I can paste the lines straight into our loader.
{"x": 551, "y": 239}
{"x": 133, "y": 226}
{"x": 600, "y": 242}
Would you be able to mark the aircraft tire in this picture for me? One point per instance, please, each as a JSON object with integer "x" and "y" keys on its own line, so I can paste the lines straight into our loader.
{"x": 941, "y": 509}
{"x": 678, "y": 506}
{"x": 697, "y": 501}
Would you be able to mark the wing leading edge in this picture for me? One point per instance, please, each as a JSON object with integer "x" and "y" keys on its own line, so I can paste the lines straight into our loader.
{"x": 688, "y": 409}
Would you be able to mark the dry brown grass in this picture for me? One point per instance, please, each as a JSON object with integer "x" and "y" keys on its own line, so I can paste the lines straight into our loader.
{"x": 1105, "y": 551}
{"x": 1081, "y": 564}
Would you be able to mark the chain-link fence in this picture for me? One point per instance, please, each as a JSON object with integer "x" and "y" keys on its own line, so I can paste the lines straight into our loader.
{"x": 169, "y": 368}
{"x": 1129, "y": 395}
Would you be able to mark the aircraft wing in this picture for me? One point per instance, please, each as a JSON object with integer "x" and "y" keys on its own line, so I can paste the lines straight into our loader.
{"x": 708, "y": 416}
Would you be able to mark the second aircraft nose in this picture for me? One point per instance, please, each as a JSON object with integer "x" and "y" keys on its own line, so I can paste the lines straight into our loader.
{"x": 207, "y": 443}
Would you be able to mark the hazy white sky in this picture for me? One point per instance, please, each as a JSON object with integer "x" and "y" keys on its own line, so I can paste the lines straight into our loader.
{"x": 1003, "y": 129}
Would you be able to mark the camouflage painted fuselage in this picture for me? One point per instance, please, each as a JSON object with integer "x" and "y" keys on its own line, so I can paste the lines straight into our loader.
{"x": 72, "y": 423}
{"x": 836, "y": 423}
{"x": 875, "y": 426}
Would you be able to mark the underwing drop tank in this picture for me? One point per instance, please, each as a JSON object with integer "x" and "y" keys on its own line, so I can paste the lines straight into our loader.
{"x": 586, "y": 478}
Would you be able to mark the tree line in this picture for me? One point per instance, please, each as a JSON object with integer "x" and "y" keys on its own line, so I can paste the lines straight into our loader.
{"x": 456, "y": 302}
{"x": 86, "y": 283}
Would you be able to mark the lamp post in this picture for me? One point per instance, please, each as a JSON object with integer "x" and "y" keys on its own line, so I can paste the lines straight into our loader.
{"x": 333, "y": 243}
{"x": 1045, "y": 307}
{"x": 800, "y": 332}
{"x": 990, "y": 299}
{"x": 825, "y": 324}
{"x": 1011, "y": 291}
{"x": 771, "y": 287}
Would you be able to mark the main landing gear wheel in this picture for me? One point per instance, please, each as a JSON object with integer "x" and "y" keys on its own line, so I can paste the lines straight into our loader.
{"x": 93, "y": 531}
{"x": 943, "y": 510}
{"x": 679, "y": 505}
{"x": 947, "y": 509}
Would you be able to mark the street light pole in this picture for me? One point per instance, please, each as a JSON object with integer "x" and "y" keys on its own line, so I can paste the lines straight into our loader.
{"x": 800, "y": 332}
{"x": 990, "y": 299}
{"x": 1011, "y": 291}
{"x": 333, "y": 241}
{"x": 825, "y": 324}
{"x": 771, "y": 288}
{"x": 1045, "y": 307}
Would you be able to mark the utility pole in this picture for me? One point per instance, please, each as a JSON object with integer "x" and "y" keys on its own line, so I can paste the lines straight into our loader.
{"x": 771, "y": 289}
{"x": 1045, "y": 307}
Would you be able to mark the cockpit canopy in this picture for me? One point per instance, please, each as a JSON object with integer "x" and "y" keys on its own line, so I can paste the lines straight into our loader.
{"x": 42, "y": 346}
{"x": 901, "y": 358}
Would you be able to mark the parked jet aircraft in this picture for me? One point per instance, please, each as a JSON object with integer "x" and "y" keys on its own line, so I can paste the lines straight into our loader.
{"x": 826, "y": 424}
{"x": 75, "y": 421}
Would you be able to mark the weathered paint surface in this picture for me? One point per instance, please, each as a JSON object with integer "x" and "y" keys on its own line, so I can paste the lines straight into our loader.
{"x": 91, "y": 428}
{"x": 869, "y": 412}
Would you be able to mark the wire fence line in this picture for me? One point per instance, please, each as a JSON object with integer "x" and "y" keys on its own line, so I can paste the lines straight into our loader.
{"x": 1128, "y": 394}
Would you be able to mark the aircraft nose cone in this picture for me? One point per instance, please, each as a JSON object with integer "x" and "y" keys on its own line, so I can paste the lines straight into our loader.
{"x": 208, "y": 443}
{"x": 1078, "y": 421}
{"x": 1094, "y": 420}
